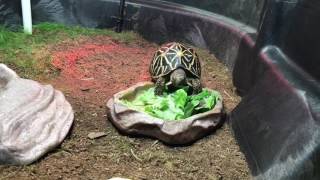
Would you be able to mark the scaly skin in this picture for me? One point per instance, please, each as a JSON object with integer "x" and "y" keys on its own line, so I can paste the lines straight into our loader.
{"x": 160, "y": 86}
{"x": 196, "y": 86}
{"x": 178, "y": 79}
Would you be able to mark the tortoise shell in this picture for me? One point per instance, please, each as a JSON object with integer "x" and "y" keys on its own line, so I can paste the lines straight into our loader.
{"x": 172, "y": 56}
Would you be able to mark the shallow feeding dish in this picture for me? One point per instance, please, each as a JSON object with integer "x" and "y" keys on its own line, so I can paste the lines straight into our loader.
{"x": 175, "y": 132}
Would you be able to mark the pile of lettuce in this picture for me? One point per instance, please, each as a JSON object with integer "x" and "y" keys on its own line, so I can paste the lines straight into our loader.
{"x": 174, "y": 106}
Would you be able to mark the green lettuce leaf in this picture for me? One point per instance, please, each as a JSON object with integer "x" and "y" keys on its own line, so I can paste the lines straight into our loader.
{"x": 174, "y": 106}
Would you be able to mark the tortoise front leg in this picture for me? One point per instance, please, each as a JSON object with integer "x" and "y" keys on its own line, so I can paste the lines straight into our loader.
{"x": 160, "y": 86}
{"x": 196, "y": 85}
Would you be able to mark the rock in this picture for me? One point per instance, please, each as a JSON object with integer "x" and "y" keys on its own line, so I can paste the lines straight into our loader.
{"x": 118, "y": 178}
{"x": 169, "y": 165}
{"x": 180, "y": 132}
{"x": 34, "y": 118}
{"x": 95, "y": 135}
{"x": 214, "y": 177}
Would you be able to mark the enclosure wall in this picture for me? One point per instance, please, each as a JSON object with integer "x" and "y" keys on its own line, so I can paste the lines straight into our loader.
{"x": 275, "y": 69}
{"x": 245, "y": 11}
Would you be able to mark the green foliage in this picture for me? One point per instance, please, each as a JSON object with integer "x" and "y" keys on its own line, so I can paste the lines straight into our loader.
{"x": 52, "y": 30}
{"x": 12, "y": 46}
{"x": 18, "y": 49}
{"x": 174, "y": 106}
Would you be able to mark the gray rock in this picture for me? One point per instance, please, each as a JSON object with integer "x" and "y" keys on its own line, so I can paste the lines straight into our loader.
{"x": 95, "y": 135}
{"x": 34, "y": 118}
{"x": 118, "y": 178}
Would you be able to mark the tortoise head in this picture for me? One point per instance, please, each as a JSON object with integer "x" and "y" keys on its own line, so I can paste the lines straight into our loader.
{"x": 178, "y": 77}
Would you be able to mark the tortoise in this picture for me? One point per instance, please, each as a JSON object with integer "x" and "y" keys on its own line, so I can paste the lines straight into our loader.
{"x": 175, "y": 65}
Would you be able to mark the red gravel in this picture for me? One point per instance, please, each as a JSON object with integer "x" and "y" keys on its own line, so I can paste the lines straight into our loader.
{"x": 99, "y": 68}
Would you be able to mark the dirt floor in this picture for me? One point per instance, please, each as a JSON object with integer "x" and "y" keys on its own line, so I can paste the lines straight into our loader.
{"x": 91, "y": 70}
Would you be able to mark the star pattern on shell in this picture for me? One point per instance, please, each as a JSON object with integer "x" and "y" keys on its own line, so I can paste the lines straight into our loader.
{"x": 172, "y": 56}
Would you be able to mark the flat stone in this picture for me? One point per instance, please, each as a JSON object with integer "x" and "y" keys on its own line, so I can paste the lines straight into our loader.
{"x": 169, "y": 165}
{"x": 95, "y": 135}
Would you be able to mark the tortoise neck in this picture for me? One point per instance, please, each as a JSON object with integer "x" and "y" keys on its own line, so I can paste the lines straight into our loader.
{"x": 178, "y": 77}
